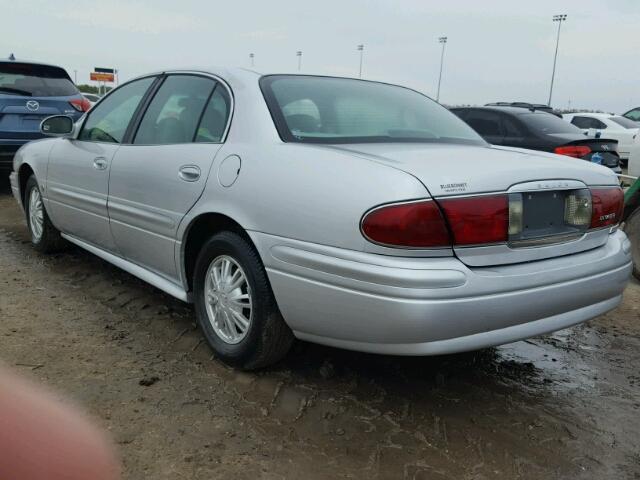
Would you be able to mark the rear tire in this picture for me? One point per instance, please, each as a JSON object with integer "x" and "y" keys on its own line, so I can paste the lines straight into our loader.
{"x": 235, "y": 306}
{"x": 632, "y": 229}
{"x": 45, "y": 238}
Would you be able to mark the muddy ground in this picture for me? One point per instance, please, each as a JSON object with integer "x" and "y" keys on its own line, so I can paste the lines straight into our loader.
{"x": 560, "y": 406}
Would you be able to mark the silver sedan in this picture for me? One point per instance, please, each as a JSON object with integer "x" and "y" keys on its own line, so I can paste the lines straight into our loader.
{"x": 350, "y": 213}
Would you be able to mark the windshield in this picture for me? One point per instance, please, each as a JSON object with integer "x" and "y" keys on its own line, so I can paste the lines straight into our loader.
{"x": 339, "y": 110}
{"x": 625, "y": 122}
{"x": 33, "y": 80}
{"x": 548, "y": 123}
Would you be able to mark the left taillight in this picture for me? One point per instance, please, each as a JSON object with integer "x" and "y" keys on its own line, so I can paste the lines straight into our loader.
{"x": 607, "y": 206}
{"x": 80, "y": 104}
{"x": 416, "y": 224}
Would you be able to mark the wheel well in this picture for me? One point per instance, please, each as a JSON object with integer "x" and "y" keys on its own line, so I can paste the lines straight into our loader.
{"x": 23, "y": 176}
{"x": 202, "y": 229}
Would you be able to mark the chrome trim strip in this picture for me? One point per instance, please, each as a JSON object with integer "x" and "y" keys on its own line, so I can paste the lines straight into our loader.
{"x": 135, "y": 270}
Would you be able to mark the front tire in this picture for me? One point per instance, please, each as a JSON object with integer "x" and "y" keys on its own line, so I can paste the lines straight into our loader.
{"x": 235, "y": 306}
{"x": 45, "y": 238}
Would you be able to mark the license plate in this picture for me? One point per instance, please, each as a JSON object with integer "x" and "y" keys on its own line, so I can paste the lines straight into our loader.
{"x": 548, "y": 215}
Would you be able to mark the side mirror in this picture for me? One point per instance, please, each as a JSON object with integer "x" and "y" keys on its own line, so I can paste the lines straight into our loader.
{"x": 57, "y": 126}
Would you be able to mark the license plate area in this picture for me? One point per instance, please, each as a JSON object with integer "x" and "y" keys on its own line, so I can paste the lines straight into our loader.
{"x": 547, "y": 217}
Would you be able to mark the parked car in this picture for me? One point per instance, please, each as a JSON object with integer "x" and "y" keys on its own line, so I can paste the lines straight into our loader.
{"x": 633, "y": 114}
{"x": 536, "y": 130}
{"x": 612, "y": 126}
{"x": 92, "y": 97}
{"x": 634, "y": 157}
{"x": 30, "y": 92}
{"x": 345, "y": 212}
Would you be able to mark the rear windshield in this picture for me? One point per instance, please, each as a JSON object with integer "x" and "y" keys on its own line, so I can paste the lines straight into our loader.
{"x": 31, "y": 80}
{"x": 625, "y": 122}
{"x": 548, "y": 123}
{"x": 339, "y": 110}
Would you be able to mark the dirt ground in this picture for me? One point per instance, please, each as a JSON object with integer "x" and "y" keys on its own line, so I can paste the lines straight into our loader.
{"x": 560, "y": 406}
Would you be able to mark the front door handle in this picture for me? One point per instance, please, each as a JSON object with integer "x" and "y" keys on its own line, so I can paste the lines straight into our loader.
{"x": 100, "y": 163}
{"x": 189, "y": 173}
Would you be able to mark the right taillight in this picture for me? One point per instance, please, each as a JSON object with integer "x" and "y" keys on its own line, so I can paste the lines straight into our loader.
{"x": 412, "y": 225}
{"x": 576, "y": 151}
{"x": 607, "y": 206}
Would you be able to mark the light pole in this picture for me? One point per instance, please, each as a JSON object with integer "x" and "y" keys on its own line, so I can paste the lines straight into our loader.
{"x": 443, "y": 41}
{"x": 299, "y": 55}
{"x": 75, "y": 77}
{"x": 251, "y": 57}
{"x": 361, "y": 50}
{"x": 559, "y": 19}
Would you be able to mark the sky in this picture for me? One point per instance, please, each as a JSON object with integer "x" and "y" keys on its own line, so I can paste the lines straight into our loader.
{"x": 497, "y": 50}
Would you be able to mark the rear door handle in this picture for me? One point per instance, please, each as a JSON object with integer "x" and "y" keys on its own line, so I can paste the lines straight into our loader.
{"x": 189, "y": 173}
{"x": 100, "y": 163}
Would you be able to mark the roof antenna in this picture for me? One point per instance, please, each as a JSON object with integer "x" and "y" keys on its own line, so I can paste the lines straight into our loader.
{"x": 12, "y": 57}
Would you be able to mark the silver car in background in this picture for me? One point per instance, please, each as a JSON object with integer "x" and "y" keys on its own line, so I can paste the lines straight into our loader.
{"x": 345, "y": 212}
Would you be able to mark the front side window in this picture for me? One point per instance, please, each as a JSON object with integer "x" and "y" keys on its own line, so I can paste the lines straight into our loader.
{"x": 109, "y": 120}
{"x": 339, "y": 110}
{"x": 633, "y": 114}
{"x": 174, "y": 112}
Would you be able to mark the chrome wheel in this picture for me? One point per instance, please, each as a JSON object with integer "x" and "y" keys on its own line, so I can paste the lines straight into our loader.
{"x": 36, "y": 214}
{"x": 227, "y": 297}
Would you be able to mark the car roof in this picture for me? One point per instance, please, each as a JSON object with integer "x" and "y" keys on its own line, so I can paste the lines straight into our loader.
{"x": 30, "y": 62}
{"x": 506, "y": 109}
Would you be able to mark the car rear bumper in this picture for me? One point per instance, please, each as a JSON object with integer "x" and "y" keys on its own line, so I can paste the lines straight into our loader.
{"x": 419, "y": 306}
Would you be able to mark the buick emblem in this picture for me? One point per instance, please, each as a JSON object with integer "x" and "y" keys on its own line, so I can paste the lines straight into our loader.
{"x": 33, "y": 105}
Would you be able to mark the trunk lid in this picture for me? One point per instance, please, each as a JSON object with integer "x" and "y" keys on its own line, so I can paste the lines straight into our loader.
{"x": 544, "y": 180}
{"x": 20, "y": 116}
{"x": 604, "y": 151}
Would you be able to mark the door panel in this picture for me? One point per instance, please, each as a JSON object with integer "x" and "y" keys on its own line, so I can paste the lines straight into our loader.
{"x": 78, "y": 184}
{"x": 149, "y": 195}
{"x": 78, "y": 169}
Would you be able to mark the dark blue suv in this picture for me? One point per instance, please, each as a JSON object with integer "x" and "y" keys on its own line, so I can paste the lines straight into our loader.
{"x": 30, "y": 92}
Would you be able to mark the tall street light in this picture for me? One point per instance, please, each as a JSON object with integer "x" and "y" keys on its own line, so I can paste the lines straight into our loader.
{"x": 361, "y": 50}
{"x": 299, "y": 55}
{"x": 251, "y": 57}
{"x": 443, "y": 41}
{"x": 559, "y": 19}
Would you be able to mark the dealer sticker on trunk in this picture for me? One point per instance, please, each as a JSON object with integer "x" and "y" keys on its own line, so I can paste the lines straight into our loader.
{"x": 454, "y": 187}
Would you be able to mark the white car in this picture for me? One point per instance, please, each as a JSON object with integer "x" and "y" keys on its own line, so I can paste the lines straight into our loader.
{"x": 92, "y": 97}
{"x": 615, "y": 127}
{"x": 634, "y": 158}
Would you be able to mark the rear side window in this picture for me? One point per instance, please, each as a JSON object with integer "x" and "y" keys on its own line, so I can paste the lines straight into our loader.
{"x": 486, "y": 123}
{"x": 34, "y": 80}
{"x": 214, "y": 120}
{"x": 108, "y": 121}
{"x": 175, "y": 111}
